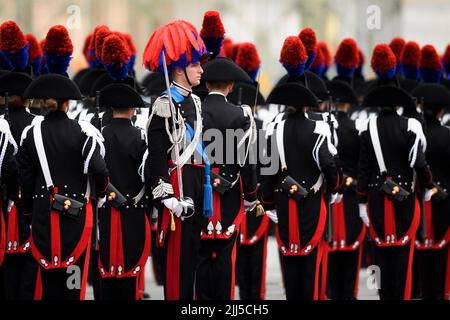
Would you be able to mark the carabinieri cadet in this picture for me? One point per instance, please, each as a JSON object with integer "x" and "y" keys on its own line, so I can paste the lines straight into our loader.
{"x": 232, "y": 176}
{"x": 391, "y": 154}
{"x": 254, "y": 231}
{"x": 432, "y": 249}
{"x": 181, "y": 187}
{"x": 295, "y": 190}
{"x": 252, "y": 245}
{"x": 59, "y": 198}
{"x": 345, "y": 249}
{"x": 124, "y": 226}
{"x": 20, "y": 267}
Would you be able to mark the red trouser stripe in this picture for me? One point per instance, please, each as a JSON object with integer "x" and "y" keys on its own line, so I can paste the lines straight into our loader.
{"x": 408, "y": 285}
{"x": 13, "y": 228}
{"x": 294, "y": 231}
{"x": 447, "y": 276}
{"x": 262, "y": 292}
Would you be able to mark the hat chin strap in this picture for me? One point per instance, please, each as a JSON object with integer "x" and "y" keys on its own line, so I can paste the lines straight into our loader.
{"x": 187, "y": 78}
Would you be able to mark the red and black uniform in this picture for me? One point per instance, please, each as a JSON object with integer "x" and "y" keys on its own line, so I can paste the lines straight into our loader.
{"x": 432, "y": 248}
{"x": 215, "y": 278}
{"x": 252, "y": 252}
{"x": 345, "y": 250}
{"x": 9, "y": 177}
{"x": 393, "y": 224}
{"x": 181, "y": 246}
{"x": 124, "y": 232}
{"x": 301, "y": 224}
{"x": 61, "y": 244}
{"x": 20, "y": 267}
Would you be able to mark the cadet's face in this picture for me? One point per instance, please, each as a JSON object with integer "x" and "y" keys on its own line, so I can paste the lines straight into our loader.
{"x": 194, "y": 71}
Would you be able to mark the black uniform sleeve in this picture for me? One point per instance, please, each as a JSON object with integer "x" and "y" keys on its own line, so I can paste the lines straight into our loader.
{"x": 97, "y": 167}
{"x": 422, "y": 168}
{"x": 28, "y": 170}
{"x": 157, "y": 170}
{"x": 268, "y": 181}
{"x": 332, "y": 173}
{"x": 365, "y": 168}
{"x": 248, "y": 171}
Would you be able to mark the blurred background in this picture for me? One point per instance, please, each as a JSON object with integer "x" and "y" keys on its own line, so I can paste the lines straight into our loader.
{"x": 264, "y": 22}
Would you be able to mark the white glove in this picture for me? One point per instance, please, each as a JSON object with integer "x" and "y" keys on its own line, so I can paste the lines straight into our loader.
{"x": 272, "y": 214}
{"x": 428, "y": 195}
{"x": 333, "y": 198}
{"x": 10, "y": 205}
{"x": 154, "y": 213}
{"x": 174, "y": 205}
{"x": 101, "y": 202}
{"x": 363, "y": 214}
{"x": 249, "y": 206}
{"x": 339, "y": 197}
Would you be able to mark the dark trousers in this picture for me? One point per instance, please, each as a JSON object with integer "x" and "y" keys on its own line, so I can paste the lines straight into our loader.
{"x": 434, "y": 270}
{"x": 119, "y": 289}
{"x": 251, "y": 270}
{"x": 58, "y": 284}
{"x": 343, "y": 274}
{"x": 20, "y": 273}
{"x": 157, "y": 255}
{"x": 396, "y": 271}
{"x": 301, "y": 276}
{"x": 215, "y": 277}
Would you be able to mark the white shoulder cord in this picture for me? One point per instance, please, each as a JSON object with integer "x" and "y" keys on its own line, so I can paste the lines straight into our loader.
{"x": 373, "y": 130}
{"x": 251, "y": 134}
{"x": 415, "y": 127}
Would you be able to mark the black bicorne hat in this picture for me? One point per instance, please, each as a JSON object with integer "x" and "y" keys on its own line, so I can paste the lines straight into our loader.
{"x": 293, "y": 94}
{"x": 434, "y": 95}
{"x": 310, "y": 80}
{"x": 105, "y": 80}
{"x": 88, "y": 80}
{"x": 14, "y": 83}
{"x": 79, "y": 75}
{"x": 224, "y": 69}
{"x": 247, "y": 94}
{"x": 119, "y": 95}
{"x": 53, "y": 86}
{"x": 341, "y": 91}
{"x": 389, "y": 96}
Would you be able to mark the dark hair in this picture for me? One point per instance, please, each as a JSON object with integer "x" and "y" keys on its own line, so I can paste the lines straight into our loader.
{"x": 219, "y": 85}
{"x": 54, "y": 104}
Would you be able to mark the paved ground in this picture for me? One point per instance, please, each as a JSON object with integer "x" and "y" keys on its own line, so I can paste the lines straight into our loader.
{"x": 274, "y": 288}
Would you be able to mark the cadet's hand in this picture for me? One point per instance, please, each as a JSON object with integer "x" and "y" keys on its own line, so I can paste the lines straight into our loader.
{"x": 339, "y": 197}
{"x": 174, "y": 205}
{"x": 334, "y": 198}
{"x": 428, "y": 195}
{"x": 101, "y": 202}
{"x": 363, "y": 214}
{"x": 272, "y": 214}
{"x": 10, "y": 205}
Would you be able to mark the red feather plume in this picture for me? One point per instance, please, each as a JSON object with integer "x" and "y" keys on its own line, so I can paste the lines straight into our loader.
{"x": 383, "y": 59}
{"x": 323, "y": 47}
{"x": 293, "y": 52}
{"x": 446, "y": 57}
{"x": 115, "y": 50}
{"x": 347, "y": 54}
{"x": 58, "y": 41}
{"x": 319, "y": 61}
{"x": 11, "y": 37}
{"x": 429, "y": 58}
{"x": 212, "y": 26}
{"x": 247, "y": 56}
{"x": 410, "y": 54}
{"x": 35, "y": 50}
{"x": 230, "y": 48}
{"x": 309, "y": 40}
{"x": 100, "y": 37}
{"x": 396, "y": 46}
{"x": 129, "y": 42}
{"x": 177, "y": 38}
{"x": 101, "y": 28}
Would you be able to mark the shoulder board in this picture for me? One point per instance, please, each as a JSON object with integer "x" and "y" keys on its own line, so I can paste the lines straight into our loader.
{"x": 322, "y": 128}
{"x": 36, "y": 120}
{"x": 161, "y": 107}
{"x": 248, "y": 113}
{"x": 361, "y": 125}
